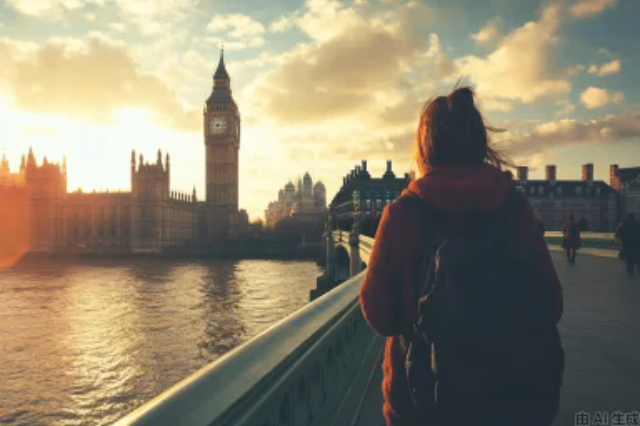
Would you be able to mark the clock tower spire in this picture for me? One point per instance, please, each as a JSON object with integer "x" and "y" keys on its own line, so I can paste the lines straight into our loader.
{"x": 222, "y": 144}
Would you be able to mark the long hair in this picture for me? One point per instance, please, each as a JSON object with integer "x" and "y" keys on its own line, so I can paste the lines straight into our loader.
{"x": 451, "y": 130}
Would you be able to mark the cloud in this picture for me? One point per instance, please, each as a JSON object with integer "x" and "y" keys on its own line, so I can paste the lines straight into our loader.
{"x": 281, "y": 25}
{"x": 89, "y": 79}
{"x": 567, "y": 108}
{"x": 327, "y": 19}
{"x": 612, "y": 67}
{"x": 575, "y": 69}
{"x": 117, "y": 26}
{"x": 444, "y": 66}
{"x": 609, "y": 129}
{"x": 604, "y": 51}
{"x": 237, "y": 25}
{"x": 488, "y": 33}
{"x": 50, "y": 9}
{"x": 244, "y": 31}
{"x": 234, "y": 44}
{"x": 152, "y": 17}
{"x": 588, "y": 8}
{"x": 520, "y": 68}
{"x": 595, "y": 97}
{"x": 348, "y": 71}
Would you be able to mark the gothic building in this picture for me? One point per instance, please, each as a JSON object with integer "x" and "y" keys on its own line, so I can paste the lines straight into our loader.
{"x": 307, "y": 203}
{"x": 151, "y": 216}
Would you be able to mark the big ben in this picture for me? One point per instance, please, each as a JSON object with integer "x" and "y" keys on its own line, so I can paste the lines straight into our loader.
{"x": 222, "y": 143}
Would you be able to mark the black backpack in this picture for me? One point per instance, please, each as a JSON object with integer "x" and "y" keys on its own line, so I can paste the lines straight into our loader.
{"x": 486, "y": 324}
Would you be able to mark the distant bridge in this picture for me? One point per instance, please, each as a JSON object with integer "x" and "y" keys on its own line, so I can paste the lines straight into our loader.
{"x": 321, "y": 365}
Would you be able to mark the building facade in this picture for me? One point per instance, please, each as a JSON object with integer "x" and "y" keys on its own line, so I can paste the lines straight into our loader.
{"x": 553, "y": 200}
{"x": 595, "y": 202}
{"x": 306, "y": 203}
{"x": 365, "y": 197}
{"x": 151, "y": 216}
{"x": 627, "y": 182}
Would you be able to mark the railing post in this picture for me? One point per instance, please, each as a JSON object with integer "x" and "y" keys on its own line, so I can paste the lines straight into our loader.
{"x": 329, "y": 249}
{"x": 354, "y": 247}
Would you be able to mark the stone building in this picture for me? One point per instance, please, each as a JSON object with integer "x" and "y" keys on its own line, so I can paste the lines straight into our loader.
{"x": 365, "y": 197}
{"x": 306, "y": 203}
{"x": 151, "y": 216}
{"x": 147, "y": 218}
{"x": 553, "y": 200}
{"x": 627, "y": 182}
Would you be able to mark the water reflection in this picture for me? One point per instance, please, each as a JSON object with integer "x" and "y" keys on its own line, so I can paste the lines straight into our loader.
{"x": 85, "y": 343}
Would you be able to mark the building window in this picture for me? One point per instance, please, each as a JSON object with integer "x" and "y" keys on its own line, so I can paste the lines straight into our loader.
{"x": 532, "y": 191}
{"x": 559, "y": 191}
{"x": 540, "y": 190}
{"x": 578, "y": 190}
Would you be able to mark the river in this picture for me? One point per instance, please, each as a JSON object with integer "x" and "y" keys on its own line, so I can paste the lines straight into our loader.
{"x": 84, "y": 343}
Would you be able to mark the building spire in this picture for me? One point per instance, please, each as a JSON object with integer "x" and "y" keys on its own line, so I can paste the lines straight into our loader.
{"x": 221, "y": 71}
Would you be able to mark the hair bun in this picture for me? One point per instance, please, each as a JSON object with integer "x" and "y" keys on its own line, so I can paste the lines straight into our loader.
{"x": 461, "y": 100}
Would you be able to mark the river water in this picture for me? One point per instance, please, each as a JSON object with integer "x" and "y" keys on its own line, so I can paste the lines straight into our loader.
{"x": 86, "y": 343}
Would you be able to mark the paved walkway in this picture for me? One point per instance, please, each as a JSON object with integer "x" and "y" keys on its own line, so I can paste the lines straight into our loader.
{"x": 601, "y": 336}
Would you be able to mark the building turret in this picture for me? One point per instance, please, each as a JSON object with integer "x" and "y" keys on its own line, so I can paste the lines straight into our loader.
{"x": 587, "y": 173}
{"x": 141, "y": 162}
{"x": 364, "y": 172}
{"x": 551, "y": 173}
{"x": 64, "y": 164}
{"x": 523, "y": 174}
{"x": 31, "y": 159}
{"x": 195, "y": 198}
{"x": 159, "y": 159}
{"x": 614, "y": 181}
{"x": 319, "y": 195}
{"x": 389, "y": 173}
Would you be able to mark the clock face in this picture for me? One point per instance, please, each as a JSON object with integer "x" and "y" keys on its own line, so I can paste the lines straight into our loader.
{"x": 218, "y": 125}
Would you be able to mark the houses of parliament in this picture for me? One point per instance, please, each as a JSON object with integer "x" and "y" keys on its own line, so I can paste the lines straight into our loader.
{"x": 151, "y": 216}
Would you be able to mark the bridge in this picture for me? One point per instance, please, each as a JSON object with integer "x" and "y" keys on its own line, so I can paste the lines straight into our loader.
{"x": 321, "y": 365}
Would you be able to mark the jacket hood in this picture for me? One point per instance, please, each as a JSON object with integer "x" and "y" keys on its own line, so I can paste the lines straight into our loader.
{"x": 458, "y": 188}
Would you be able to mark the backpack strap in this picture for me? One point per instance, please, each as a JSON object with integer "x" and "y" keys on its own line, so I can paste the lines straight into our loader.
{"x": 437, "y": 224}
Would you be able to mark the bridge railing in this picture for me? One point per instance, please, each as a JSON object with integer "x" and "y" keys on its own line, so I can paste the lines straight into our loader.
{"x": 302, "y": 370}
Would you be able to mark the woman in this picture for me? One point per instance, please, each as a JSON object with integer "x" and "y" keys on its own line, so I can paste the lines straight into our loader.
{"x": 571, "y": 239}
{"x": 458, "y": 173}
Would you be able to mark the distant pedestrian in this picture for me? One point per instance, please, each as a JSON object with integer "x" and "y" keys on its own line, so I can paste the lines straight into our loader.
{"x": 583, "y": 223}
{"x": 629, "y": 235}
{"x": 571, "y": 239}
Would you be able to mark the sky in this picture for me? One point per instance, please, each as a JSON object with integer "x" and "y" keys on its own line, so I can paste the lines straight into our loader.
{"x": 320, "y": 84}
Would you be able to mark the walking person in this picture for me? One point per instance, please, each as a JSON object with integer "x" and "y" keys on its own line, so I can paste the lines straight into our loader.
{"x": 571, "y": 239}
{"x": 461, "y": 283}
{"x": 629, "y": 235}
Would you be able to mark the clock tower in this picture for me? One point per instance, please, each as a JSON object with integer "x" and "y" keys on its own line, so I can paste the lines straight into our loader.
{"x": 222, "y": 143}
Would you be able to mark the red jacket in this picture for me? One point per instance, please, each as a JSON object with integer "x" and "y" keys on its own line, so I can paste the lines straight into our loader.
{"x": 389, "y": 293}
